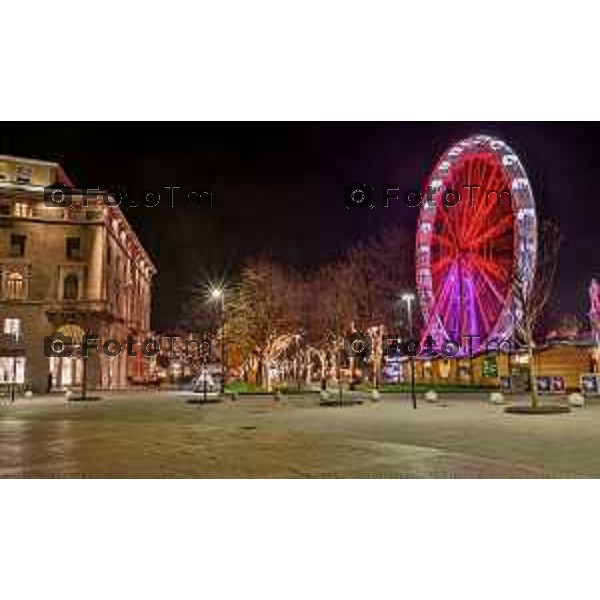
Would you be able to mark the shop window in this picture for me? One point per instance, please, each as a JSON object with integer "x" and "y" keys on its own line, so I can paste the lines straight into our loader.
{"x": 12, "y": 369}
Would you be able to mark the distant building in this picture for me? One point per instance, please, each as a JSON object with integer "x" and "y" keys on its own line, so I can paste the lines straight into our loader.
{"x": 68, "y": 269}
{"x": 565, "y": 359}
{"x": 183, "y": 354}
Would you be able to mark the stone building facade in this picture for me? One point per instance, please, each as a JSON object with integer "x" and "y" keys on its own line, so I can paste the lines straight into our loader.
{"x": 70, "y": 267}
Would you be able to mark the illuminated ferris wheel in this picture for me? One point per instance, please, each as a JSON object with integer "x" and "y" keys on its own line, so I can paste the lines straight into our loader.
{"x": 469, "y": 249}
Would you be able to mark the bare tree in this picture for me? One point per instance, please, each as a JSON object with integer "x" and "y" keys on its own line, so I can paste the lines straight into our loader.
{"x": 380, "y": 269}
{"x": 329, "y": 313}
{"x": 262, "y": 316}
{"x": 275, "y": 315}
{"x": 531, "y": 292}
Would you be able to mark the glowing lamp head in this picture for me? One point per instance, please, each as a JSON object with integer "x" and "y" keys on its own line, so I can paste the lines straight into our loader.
{"x": 216, "y": 293}
{"x": 408, "y": 297}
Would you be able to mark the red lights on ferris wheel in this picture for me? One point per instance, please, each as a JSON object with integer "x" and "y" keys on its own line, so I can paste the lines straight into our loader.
{"x": 467, "y": 252}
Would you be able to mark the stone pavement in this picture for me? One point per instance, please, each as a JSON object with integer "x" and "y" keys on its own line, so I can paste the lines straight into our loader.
{"x": 160, "y": 434}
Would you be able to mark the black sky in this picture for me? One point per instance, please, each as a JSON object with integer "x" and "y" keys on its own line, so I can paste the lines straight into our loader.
{"x": 278, "y": 188}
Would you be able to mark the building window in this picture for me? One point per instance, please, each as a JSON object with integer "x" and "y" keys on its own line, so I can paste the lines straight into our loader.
{"x": 21, "y": 209}
{"x": 12, "y": 328}
{"x": 73, "y": 247}
{"x": 108, "y": 255}
{"x": 12, "y": 369}
{"x": 17, "y": 244}
{"x": 15, "y": 286}
{"x": 71, "y": 287}
{"x": 23, "y": 175}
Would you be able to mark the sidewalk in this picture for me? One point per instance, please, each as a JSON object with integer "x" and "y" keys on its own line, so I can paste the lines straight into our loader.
{"x": 35, "y": 400}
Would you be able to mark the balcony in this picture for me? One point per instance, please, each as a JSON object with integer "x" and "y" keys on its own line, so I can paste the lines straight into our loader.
{"x": 80, "y": 309}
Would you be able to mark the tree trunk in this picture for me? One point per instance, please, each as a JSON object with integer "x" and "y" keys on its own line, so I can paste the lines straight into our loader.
{"x": 266, "y": 375}
{"x": 334, "y": 366}
{"x": 376, "y": 369}
{"x": 259, "y": 373}
{"x": 532, "y": 376}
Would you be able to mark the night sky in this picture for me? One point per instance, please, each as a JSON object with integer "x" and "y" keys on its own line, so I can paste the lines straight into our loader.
{"x": 278, "y": 188}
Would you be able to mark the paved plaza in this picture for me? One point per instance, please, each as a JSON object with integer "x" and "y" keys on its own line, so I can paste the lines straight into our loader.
{"x": 160, "y": 434}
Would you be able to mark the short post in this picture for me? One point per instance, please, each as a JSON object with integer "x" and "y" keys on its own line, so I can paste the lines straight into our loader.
{"x": 84, "y": 377}
{"x": 14, "y": 380}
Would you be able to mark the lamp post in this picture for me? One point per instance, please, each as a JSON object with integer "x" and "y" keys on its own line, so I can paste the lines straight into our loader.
{"x": 409, "y": 298}
{"x": 219, "y": 294}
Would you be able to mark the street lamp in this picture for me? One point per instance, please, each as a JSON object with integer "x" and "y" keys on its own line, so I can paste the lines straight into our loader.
{"x": 409, "y": 298}
{"x": 218, "y": 293}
